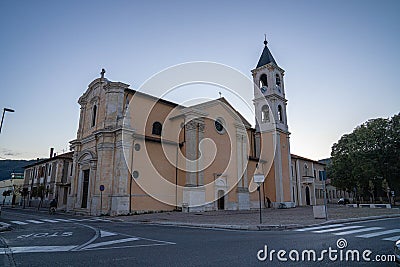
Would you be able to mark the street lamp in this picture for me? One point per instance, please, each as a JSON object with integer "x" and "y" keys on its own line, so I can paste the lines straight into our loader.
{"x": 2, "y": 117}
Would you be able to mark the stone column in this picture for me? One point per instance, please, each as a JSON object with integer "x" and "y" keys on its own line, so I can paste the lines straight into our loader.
{"x": 194, "y": 133}
{"x": 278, "y": 168}
{"x": 120, "y": 196}
{"x": 241, "y": 151}
{"x": 114, "y": 93}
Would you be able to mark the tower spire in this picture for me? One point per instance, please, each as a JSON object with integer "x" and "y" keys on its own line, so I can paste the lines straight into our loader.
{"x": 266, "y": 56}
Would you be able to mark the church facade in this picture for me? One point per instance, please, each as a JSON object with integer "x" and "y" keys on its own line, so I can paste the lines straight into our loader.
{"x": 136, "y": 153}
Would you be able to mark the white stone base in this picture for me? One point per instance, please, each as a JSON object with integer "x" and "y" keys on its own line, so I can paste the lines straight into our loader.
{"x": 119, "y": 205}
{"x": 244, "y": 201}
{"x": 194, "y": 199}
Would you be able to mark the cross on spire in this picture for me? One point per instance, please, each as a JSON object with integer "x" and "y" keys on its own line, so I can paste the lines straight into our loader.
{"x": 103, "y": 71}
{"x": 265, "y": 39}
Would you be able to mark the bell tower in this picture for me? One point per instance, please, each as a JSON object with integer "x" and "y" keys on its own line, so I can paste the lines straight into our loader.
{"x": 272, "y": 126}
{"x": 269, "y": 86}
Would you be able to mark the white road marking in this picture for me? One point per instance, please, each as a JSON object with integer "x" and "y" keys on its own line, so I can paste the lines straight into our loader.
{"x": 318, "y": 227}
{"x": 5, "y": 224}
{"x": 337, "y": 229}
{"x": 19, "y": 222}
{"x": 380, "y": 233}
{"x": 95, "y": 245}
{"x": 63, "y": 220}
{"x": 358, "y": 231}
{"x": 105, "y": 233}
{"x": 34, "y": 221}
{"x": 36, "y": 249}
{"x": 393, "y": 238}
{"x": 48, "y": 220}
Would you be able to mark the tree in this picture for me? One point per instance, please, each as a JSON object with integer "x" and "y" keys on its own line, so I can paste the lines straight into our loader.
{"x": 6, "y": 193}
{"x": 364, "y": 158}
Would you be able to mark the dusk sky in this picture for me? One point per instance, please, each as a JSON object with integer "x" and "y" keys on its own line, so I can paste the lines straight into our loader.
{"x": 341, "y": 60}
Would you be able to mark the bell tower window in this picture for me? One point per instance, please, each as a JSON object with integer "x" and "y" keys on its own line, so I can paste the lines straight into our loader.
{"x": 280, "y": 115}
{"x": 263, "y": 81}
{"x": 277, "y": 80}
{"x": 157, "y": 128}
{"x": 265, "y": 113}
{"x": 94, "y": 113}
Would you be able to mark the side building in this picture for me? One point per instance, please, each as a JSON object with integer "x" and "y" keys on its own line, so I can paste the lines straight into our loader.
{"x": 47, "y": 179}
{"x": 309, "y": 189}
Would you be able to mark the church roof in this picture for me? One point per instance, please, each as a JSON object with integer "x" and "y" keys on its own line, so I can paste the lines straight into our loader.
{"x": 266, "y": 57}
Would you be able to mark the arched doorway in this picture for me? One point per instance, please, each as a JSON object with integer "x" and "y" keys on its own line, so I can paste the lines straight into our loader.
{"x": 221, "y": 200}
{"x": 308, "y": 199}
{"x": 85, "y": 190}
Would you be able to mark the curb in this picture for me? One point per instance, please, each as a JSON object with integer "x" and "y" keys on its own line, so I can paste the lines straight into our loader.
{"x": 273, "y": 227}
{"x": 360, "y": 219}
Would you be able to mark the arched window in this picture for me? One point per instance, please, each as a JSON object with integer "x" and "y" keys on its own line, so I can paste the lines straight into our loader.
{"x": 263, "y": 81}
{"x": 265, "y": 113}
{"x": 277, "y": 80}
{"x": 157, "y": 128}
{"x": 126, "y": 102}
{"x": 305, "y": 169}
{"x": 280, "y": 115}
{"x": 94, "y": 113}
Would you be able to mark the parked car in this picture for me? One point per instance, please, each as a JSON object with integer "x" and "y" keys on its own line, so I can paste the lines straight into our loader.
{"x": 343, "y": 201}
{"x": 397, "y": 252}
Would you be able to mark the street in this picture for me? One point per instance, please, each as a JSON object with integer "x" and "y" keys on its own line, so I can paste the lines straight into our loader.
{"x": 38, "y": 239}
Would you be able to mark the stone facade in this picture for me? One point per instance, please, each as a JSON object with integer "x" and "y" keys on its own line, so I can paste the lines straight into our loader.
{"x": 150, "y": 154}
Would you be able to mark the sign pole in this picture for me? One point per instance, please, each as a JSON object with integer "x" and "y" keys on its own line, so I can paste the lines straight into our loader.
{"x": 259, "y": 198}
{"x": 101, "y": 199}
{"x": 259, "y": 180}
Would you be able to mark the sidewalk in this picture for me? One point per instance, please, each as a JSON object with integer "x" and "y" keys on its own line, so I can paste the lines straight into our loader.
{"x": 272, "y": 219}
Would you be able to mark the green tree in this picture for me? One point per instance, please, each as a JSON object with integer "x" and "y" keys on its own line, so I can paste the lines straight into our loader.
{"x": 6, "y": 193}
{"x": 364, "y": 158}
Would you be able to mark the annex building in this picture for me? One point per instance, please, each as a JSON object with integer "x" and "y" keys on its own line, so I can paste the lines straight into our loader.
{"x": 135, "y": 153}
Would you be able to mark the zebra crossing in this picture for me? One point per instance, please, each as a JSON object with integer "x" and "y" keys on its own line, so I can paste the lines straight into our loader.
{"x": 56, "y": 220}
{"x": 357, "y": 230}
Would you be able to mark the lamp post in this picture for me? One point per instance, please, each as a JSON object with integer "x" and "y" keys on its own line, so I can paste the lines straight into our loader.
{"x": 2, "y": 117}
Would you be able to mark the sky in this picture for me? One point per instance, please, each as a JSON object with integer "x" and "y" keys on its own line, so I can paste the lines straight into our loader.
{"x": 340, "y": 60}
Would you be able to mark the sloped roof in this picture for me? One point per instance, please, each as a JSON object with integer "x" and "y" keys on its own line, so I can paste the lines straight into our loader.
{"x": 67, "y": 155}
{"x": 266, "y": 57}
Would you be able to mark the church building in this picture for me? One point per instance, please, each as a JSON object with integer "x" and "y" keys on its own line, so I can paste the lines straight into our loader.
{"x": 136, "y": 153}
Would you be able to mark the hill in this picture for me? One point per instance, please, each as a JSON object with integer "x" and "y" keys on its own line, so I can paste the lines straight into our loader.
{"x": 9, "y": 166}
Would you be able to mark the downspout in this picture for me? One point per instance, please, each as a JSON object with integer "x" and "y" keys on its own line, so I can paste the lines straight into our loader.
{"x": 131, "y": 178}
{"x": 176, "y": 177}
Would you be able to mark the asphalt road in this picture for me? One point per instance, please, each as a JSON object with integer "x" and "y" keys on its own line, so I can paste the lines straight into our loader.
{"x": 38, "y": 239}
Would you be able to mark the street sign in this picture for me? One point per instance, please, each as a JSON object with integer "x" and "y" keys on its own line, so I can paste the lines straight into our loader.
{"x": 102, "y": 188}
{"x": 259, "y": 178}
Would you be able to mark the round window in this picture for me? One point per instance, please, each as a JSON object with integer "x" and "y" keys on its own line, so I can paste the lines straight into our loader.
{"x": 137, "y": 147}
{"x": 219, "y": 126}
